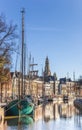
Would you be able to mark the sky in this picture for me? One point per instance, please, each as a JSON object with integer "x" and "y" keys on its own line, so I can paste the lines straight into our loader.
{"x": 53, "y": 28}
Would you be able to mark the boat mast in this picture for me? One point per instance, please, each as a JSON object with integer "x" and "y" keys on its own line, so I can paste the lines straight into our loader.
{"x": 22, "y": 84}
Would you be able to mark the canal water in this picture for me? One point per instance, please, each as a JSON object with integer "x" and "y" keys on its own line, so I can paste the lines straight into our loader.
{"x": 51, "y": 116}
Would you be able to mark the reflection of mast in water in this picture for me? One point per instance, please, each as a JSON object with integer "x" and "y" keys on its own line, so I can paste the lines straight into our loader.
{"x": 54, "y": 111}
{"x": 19, "y": 126}
{"x": 66, "y": 110}
{"x": 48, "y": 112}
{"x": 38, "y": 113}
{"x": 78, "y": 118}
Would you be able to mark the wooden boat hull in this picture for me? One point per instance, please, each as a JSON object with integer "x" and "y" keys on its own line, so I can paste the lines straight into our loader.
{"x": 16, "y": 108}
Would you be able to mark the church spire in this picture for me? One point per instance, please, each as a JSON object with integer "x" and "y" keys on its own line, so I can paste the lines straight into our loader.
{"x": 47, "y": 68}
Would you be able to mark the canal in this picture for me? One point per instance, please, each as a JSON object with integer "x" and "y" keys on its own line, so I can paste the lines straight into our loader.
{"x": 51, "y": 116}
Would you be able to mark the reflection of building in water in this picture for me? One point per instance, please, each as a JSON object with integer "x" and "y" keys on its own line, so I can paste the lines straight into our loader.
{"x": 66, "y": 110}
{"x": 78, "y": 119}
{"x": 38, "y": 114}
{"x": 54, "y": 111}
{"x": 2, "y": 125}
{"x": 1, "y": 118}
{"x": 48, "y": 112}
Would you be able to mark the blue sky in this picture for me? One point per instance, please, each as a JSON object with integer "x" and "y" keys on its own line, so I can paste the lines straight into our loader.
{"x": 53, "y": 28}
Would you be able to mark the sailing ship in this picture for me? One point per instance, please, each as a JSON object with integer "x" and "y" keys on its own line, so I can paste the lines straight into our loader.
{"x": 20, "y": 106}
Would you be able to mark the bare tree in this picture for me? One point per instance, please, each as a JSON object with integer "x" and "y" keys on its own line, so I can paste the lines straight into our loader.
{"x": 7, "y": 35}
{"x": 7, "y": 45}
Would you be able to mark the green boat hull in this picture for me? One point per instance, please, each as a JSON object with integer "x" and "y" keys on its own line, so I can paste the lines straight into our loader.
{"x": 16, "y": 108}
{"x": 18, "y": 121}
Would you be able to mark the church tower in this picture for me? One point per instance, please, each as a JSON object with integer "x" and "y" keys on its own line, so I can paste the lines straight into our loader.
{"x": 47, "y": 71}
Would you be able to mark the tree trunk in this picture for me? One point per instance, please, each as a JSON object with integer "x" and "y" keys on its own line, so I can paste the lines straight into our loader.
{"x": 1, "y": 92}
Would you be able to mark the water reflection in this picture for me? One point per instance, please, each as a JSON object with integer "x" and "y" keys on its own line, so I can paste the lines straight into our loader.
{"x": 24, "y": 120}
{"x": 78, "y": 119}
{"x": 54, "y": 111}
{"x": 50, "y": 116}
{"x": 3, "y": 126}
